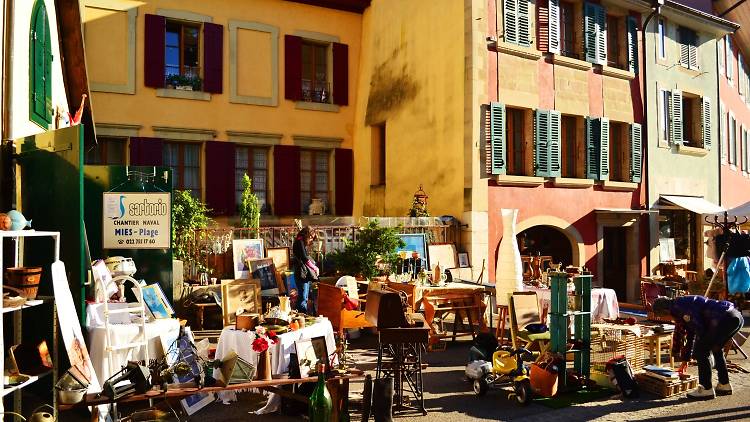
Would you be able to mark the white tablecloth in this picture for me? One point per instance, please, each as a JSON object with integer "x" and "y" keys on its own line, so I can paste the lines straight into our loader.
{"x": 166, "y": 330}
{"x": 241, "y": 342}
{"x": 604, "y": 302}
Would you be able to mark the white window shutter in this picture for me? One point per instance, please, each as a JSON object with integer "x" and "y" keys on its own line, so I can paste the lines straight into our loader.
{"x": 601, "y": 43}
{"x": 706, "y": 126}
{"x": 554, "y": 26}
{"x": 676, "y": 117}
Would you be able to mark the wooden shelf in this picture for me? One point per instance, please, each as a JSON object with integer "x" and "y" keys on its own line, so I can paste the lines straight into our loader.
{"x": 30, "y": 304}
{"x": 32, "y": 379}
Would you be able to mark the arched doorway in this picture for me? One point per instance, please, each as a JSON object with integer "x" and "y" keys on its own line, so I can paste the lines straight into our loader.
{"x": 546, "y": 241}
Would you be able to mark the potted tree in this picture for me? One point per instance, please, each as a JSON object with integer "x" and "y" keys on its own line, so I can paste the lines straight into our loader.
{"x": 372, "y": 254}
{"x": 188, "y": 214}
{"x": 249, "y": 206}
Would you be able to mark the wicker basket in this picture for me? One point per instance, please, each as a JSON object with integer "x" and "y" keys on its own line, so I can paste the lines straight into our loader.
{"x": 25, "y": 279}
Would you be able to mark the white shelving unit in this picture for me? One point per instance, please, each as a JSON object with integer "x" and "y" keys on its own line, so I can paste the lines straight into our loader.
{"x": 18, "y": 237}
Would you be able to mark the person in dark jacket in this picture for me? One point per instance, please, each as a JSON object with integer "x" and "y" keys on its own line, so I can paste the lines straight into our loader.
{"x": 708, "y": 325}
{"x": 305, "y": 269}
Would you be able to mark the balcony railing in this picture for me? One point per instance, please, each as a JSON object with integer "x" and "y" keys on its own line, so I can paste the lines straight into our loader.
{"x": 318, "y": 92}
{"x": 189, "y": 76}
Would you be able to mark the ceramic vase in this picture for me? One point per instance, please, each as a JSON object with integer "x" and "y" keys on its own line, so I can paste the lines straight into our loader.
{"x": 264, "y": 366}
{"x": 509, "y": 269}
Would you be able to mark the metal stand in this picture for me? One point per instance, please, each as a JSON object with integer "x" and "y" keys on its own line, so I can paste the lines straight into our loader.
{"x": 403, "y": 361}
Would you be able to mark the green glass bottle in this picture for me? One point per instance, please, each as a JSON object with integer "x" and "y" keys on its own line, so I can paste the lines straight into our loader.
{"x": 320, "y": 400}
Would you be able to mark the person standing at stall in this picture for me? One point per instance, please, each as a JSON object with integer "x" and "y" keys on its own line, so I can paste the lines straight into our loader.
{"x": 305, "y": 269}
{"x": 708, "y": 325}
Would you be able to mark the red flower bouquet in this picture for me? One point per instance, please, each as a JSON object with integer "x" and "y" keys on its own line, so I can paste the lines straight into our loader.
{"x": 263, "y": 339}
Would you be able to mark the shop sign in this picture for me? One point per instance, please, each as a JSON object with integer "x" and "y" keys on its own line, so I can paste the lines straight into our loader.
{"x": 136, "y": 220}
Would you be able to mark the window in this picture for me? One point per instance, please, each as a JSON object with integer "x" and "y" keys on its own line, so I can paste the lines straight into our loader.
{"x": 315, "y": 85}
{"x": 617, "y": 152}
{"x": 40, "y": 63}
{"x": 377, "y": 153}
{"x": 313, "y": 178}
{"x": 732, "y": 140}
{"x": 664, "y": 113}
{"x": 688, "y": 48}
{"x": 569, "y": 147}
{"x": 515, "y": 136}
{"x": 691, "y": 128}
{"x": 723, "y": 133}
{"x": 680, "y": 225}
{"x": 662, "y": 39}
{"x": 182, "y": 54}
{"x": 728, "y": 57}
{"x": 743, "y": 152}
{"x": 252, "y": 161}
{"x": 517, "y": 28}
{"x": 614, "y": 41}
{"x": 567, "y": 30}
{"x": 184, "y": 160}
{"x": 110, "y": 151}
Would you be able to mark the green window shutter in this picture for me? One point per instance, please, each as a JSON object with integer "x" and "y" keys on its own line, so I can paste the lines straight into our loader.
{"x": 589, "y": 32}
{"x": 524, "y": 23}
{"x": 555, "y": 162}
{"x": 541, "y": 143}
{"x": 510, "y": 21}
{"x": 636, "y": 153}
{"x": 601, "y": 35}
{"x": 604, "y": 149}
{"x": 40, "y": 64}
{"x": 675, "y": 112}
{"x": 554, "y": 26}
{"x": 497, "y": 138}
{"x": 706, "y": 117}
{"x": 632, "y": 44}
{"x": 592, "y": 148}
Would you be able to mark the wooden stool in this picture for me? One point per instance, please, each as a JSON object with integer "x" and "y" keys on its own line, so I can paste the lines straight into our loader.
{"x": 502, "y": 315}
{"x": 656, "y": 343}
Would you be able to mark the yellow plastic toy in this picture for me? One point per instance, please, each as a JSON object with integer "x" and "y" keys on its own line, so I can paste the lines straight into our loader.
{"x": 506, "y": 369}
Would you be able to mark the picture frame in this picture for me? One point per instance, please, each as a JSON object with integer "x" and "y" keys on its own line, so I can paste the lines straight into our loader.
{"x": 415, "y": 242}
{"x": 235, "y": 294}
{"x": 463, "y": 260}
{"x": 306, "y": 356}
{"x": 156, "y": 301}
{"x": 281, "y": 257}
{"x": 187, "y": 353}
{"x": 321, "y": 348}
{"x": 264, "y": 269}
{"x": 242, "y": 251}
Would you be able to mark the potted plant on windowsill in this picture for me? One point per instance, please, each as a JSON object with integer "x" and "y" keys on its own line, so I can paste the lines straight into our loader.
{"x": 184, "y": 82}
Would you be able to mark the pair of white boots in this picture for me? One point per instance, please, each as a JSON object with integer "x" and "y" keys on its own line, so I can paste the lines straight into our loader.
{"x": 702, "y": 393}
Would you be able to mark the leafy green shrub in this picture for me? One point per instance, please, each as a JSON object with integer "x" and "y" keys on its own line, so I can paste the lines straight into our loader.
{"x": 372, "y": 254}
{"x": 188, "y": 214}
{"x": 249, "y": 205}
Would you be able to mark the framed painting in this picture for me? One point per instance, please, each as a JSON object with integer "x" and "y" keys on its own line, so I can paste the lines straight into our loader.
{"x": 265, "y": 270}
{"x": 463, "y": 260}
{"x": 236, "y": 294}
{"x": 415, "y": 242}
{"x": 242, "y": 251}
{"x": 281, "y": 258}
{"x": 156, "y": 301}
{"x": 187, "y": 353}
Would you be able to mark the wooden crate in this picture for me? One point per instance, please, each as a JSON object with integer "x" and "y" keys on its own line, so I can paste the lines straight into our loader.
{"x": 665, "y": 388}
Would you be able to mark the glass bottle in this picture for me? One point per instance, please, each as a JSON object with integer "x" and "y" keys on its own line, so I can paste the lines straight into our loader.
{"x": 320, "y": 400}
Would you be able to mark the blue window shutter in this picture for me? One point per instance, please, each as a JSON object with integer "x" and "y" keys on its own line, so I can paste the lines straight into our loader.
{"x": 675, "y": 111}
{"x": 636, "y": 153}
{"x": 497, "y": 138}
{"x": 510, "y": 21}
{"x": 524, "y": 26}
{"x": 589, "y": 32}
{"x": 553, "y": 145}
{"x": 706, "y": 115}
{"x": 632, "y": 44}
{"x": 603, "y": 148}
{"x": 554, "y": 27}
{"x": 541, "y": 143}
{"x": 592, "y": 148}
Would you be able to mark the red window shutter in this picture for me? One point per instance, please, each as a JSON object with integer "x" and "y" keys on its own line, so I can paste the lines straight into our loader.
{"x": 213, "y": 57}
{"x": 153, "y": 55}
{"x": 344, "y": 163}
{"x": 542, "y": 27}
{"x": 286, "y": 188}
{"x": 220, "y": 177}
{"x": 146, "y": 151}
{"x": 340, "y": 74}
{"x": 292, "y": 68}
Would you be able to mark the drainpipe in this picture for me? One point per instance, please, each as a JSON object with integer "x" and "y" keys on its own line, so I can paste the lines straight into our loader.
{"x": 655, "y": 11}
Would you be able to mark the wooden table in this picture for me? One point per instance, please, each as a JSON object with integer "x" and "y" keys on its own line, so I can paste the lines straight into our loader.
{"x": 463, "y": 302}
{"x": 338, "y": 386}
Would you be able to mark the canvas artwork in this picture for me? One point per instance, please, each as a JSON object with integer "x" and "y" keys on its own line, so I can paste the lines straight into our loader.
{"x": 237, "y": 294}
{"x": 280, "y": 257}
{"x": 70, "y": 329}
{"x": 265, "y": 270}
{"x": 156, "y": 301}
{"x": 243, "y": 250}
{"x": 415, "y": 242}
{"x": 463, "y": 260}
{"x": 187, "y": 353}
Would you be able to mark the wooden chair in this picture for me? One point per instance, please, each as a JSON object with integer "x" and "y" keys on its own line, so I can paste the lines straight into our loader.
{"x": 649, "y": 292}
{"x": 331, "y": 305}
{"x": 524, "y": 310}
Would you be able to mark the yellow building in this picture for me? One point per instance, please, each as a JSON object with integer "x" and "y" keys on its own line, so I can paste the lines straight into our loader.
{"x": 222, "y": 88}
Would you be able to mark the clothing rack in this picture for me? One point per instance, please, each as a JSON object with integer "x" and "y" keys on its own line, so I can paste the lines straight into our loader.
{"x": 726, "y": 225}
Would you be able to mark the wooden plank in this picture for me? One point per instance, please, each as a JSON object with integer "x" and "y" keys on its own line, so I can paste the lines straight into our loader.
{"x": 92, "y": 399}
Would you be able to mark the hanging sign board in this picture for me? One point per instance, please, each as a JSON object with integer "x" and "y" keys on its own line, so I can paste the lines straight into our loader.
{"x": 136, "y": 220}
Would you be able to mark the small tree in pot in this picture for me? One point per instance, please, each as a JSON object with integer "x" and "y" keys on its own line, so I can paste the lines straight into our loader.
{"x": 249, "y": 206}
{"x": 372, "y": 254}
{"x": 188, "y": 214}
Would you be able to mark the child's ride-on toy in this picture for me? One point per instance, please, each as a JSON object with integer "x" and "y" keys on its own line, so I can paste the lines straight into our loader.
{"x": 506, "y": 369}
